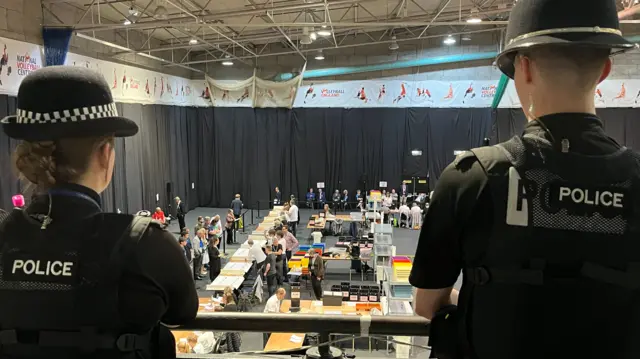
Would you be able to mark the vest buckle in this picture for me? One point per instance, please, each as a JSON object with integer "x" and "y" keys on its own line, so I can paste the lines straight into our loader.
{"x": 128, "y": 342}
{"x": 479, "y": 275}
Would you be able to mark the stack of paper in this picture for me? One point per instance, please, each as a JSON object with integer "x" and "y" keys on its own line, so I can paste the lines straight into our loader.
{"x": 401, "y": 268}
{"x": 295, "y": 339}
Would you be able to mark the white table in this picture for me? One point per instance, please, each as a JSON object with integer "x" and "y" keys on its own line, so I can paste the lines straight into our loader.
{"x": 221, "y": 282}
{"x": 237, "y": 267}
{"x": 256, "y": 242}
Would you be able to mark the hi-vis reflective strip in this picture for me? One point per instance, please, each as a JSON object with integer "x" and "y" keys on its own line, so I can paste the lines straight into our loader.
{"x": 517, "y": 203}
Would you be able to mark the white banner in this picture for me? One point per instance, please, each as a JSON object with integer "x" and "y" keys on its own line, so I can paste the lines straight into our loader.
{"x": 232, "y": 93}
{"x": 128, "y": 84}
{"x": 276, "y": 94}
{"x": 135, "y": 85}
{"x": 440, "y": 94}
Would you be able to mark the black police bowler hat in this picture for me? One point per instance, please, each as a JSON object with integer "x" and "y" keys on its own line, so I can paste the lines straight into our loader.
{"x": 586, "y": 23}
{"x": 63, "y": 102}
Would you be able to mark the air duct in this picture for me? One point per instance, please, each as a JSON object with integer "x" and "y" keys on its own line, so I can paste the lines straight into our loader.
{"x": 426, "y": 61}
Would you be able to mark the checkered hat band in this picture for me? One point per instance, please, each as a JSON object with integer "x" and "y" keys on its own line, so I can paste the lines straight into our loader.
{"x": 72, "y": 115}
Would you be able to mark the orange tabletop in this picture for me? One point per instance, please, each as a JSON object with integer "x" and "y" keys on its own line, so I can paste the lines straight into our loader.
{"x": 282, "y": 341}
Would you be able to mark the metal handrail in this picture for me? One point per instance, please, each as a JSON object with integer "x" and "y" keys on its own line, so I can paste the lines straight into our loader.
{"x": 309, "y": 323}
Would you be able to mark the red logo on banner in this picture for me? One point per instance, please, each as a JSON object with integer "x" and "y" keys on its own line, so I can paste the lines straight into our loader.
{"x": 488, "y": 91}
{"x": 332, "y": 93}
{"x": 26, "y": 64}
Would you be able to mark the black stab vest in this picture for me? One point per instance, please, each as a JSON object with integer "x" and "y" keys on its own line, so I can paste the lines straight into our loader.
{"x": 560, "y": 277}
{"x": 59, "y": 288}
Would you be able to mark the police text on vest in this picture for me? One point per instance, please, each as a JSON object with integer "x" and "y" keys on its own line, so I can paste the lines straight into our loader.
{"x": 42, "y": 268}
{"x": 591, "y": 197}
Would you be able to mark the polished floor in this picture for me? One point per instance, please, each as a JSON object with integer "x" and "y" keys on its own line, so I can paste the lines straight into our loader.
{"x": 405, "y": 241}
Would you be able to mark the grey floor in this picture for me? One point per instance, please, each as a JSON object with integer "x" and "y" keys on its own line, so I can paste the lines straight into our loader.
{"x": 405, "y": 241}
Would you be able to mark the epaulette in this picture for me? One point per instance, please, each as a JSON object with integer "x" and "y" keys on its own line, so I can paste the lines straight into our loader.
{"x": 463, "y": 158}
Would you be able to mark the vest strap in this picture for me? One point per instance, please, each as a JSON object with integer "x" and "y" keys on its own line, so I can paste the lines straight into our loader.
{"x": 629, "y": 279}
{"x": 486, "y": 275}
{"x": 85, "y": 340}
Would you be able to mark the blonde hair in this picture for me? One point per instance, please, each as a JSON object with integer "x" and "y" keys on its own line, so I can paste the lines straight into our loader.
{"x": 201, "y": 230}
{"x": 44, "y": 164}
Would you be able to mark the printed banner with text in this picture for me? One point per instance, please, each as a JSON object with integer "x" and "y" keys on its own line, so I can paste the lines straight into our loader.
{"x": 439, "y": 94}
{"x": 128, "y": 84}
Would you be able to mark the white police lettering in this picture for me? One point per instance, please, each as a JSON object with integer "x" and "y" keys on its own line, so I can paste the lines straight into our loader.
{"x": 592, "y": 197}
{"x": 55, "y": 268}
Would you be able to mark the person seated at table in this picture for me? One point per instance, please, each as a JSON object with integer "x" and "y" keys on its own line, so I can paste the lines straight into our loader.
{"x": 327, "y": 212}
{"x": 322, "y": 197}
{"x": 345, "y": 199}
{"x": 360, "y": 199}
{"x": 336, "y": 199}
{"x": 215, "y": 263}
{"x": 273, "y": 306}
{"x": 386, "y": 200}
{"x": 311, "y": 197}
{"x": 404, "y": 214}
{"x": 158, "y": 215}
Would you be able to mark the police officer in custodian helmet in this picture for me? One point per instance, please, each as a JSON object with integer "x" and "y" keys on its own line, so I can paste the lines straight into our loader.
{"x": 74, "y": 281}
{"x": 545, "y": 226}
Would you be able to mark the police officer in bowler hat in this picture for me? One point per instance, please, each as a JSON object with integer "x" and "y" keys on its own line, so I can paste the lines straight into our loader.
{"x": 74, "y": 281}
{"x": 545, "y": 226}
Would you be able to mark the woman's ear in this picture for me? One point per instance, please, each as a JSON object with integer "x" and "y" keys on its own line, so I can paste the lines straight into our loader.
{"x": 105, "y": 153}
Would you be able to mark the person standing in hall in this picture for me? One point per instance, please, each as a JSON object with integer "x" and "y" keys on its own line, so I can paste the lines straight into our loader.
{"x": 215, "y": 263}
{"x": 257, "y": 255}
{"x": 278, "y": 198}
{"x": 197, "y": 245}
{"x": 291, "y": 242}
{"x": 278, "y": 251}
{"x": 236, "y": 206}
{"x": 270, "y": 270}
{"x": 181, "y": 212}
{"x": 229, "y": 225}
{"x": 293, "y": 216}
{"x": 316, "y": 271}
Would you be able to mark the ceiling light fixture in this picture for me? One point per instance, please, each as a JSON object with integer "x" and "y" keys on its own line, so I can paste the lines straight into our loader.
{"x": 313, "y": 36}
{"x": 466, "y": 38}
{"x": 193, "y": 42}
{"x": 319, "y": 55}
{"x": 449, "y": 40}
{"x": 474, "y": 18}
{"x": 394, "y": 44}
{"x": 126, "y": 22}
{"x": 324, "y": 32}
{"x": 227, "y": 63}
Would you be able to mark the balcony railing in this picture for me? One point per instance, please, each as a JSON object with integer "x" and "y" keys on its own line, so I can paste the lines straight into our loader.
{"x": 323, "y": 325}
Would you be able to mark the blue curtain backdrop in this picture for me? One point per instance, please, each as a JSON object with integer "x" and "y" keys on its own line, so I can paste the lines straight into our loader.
{"x": 56, "y": 45}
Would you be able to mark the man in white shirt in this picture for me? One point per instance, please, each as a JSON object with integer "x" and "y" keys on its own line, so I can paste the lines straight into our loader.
{"x": 256, "y": 254}
{"x": 273, "y": 306}
{"x": 416, "y": 216}
{"x": 292, "y": 217}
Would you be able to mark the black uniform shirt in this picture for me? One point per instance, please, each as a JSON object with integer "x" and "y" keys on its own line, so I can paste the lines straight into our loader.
{"x": 157, "y": 284}
{"x": 461, "y": 210}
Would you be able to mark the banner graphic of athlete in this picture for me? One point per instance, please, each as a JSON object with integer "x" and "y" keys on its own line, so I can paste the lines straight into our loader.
{"x": 403, "y": 93}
